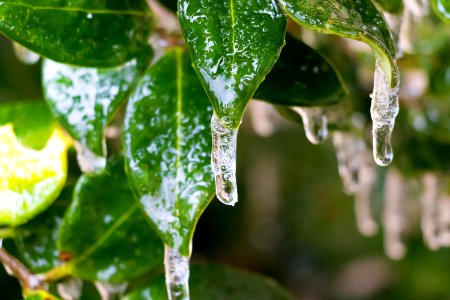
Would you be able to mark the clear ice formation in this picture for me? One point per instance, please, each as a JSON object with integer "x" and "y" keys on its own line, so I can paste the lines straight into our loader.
{"x": 384, "y": 109}
{"x": 315, "y": 123}
{"x": 223, "y": 159}
{"x": 24, "y": 55}
{"x": 177, "y": 274}
{"x": 88, "y": 161}
{"x": 394, "y": 215}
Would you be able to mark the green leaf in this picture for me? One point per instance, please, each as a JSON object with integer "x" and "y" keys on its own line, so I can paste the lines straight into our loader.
{"x": 391, "y": 6}
{"x": 104, "y": 234}
{"x": 233, "y": 45}
{"x": 442, "y": 9}
{"x": 83, "y": 32}
{"x": 358, "y": 20}
{"x": 301, "y": 77}
{"x": 31, "y": 179}
{"x": 36, "y": 241}
{"x": 167, "y": 143}
{"x": 85, "y": 99}
{"x": 218, "y": 283}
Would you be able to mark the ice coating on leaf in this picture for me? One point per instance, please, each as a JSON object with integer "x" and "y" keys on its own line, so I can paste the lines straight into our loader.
{"x": 315, "y": 123}
{"x": 70, "y": 288}
{"x": 223, "y": 159}
{"x": 88, "y": 161}
{"x": 394, "y": 215}
{"x": 84, "y": 100}
{"x": 384, "y": 108}
{"x": 177, "y": 274}
{"x": 24, "y": 55}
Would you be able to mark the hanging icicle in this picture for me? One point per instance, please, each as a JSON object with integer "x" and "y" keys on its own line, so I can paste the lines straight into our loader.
{"x": 315, "y": 123}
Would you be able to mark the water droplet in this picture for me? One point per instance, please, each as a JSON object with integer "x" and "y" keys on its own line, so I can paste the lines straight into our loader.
{"x": 177, "y": 274}
{"x": 89, "y": 16}
{"x": 383, "y": 110}
{"x": 24, "y": 55}
{"x": 315, "y": 123}
{"x": 223, "y": 159}
{"x": 393, "y": 216}
{"x": 88, "y": 161}
{"x": 70, "y": 289}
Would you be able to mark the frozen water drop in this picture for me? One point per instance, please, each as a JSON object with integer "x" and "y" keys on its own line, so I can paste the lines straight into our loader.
{"x": 70, "y": 289}
{"x": 88, "y": 161}
{"x": 393, "y": 216}
{"x": 111, "y": 291}
{"x": 223, "y": 159}
{"x": 384, "y": 109}
{"x": 315, "y": 123}
{"x": 24, "y": 55}
{"x": 177, "y": 274}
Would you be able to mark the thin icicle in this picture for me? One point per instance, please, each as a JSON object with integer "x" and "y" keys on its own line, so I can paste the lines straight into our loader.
{"x": 24, "y": 55}
{"x": 348, "y": 152}
{"x": 429, "y": 200}
{"x": 367, "y": 226}
{"x": 88, "y": 161}
{"x": 223, "y": 159}
{"x": 111, "y": 291}
{"x": 383, "y": 110}
{"x": 315, "y": 123}
{"x": 70, "y": 289}
{"x": 393, "y": 217}
{"x": 177, "y": 274}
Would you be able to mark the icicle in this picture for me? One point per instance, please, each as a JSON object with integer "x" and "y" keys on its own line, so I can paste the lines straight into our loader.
{"x": 70, "y": 289}
{"x": 111, "y": 291}
{"x": 348, "y": 152}
{"x": 363, "y": 206}
{"x": 24, "y": 55}
{"x": 430, "y": 211}
{"x": 223, "y": 159}
{"x": 177, "y": 274}
{"x": 394, "y": 219}
{"x": 383, "y": 110}
{"x": 260, "y": 114}
{"x": 315, "y": 123}
{"x": 406, "y": 34}
{"x": 88, "y": 161}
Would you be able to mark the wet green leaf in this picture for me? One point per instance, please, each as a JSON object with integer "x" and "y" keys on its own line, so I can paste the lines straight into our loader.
{"x": 218, "y": 283}
{"x": 84, "y": 32}
{"x": 358, "y": 20}
{"x": 301, "y": 77}
{"x": 85, "y": 99}
{"x": 442, "y": 9}
{"x": 167, "y": 144}
{"x": 233, "y": 45}
{"x": 104, "y": 235}
{"x": 36, "y": 241}
{"x": 31, "y": 179}
{"x": 391, "y": 6}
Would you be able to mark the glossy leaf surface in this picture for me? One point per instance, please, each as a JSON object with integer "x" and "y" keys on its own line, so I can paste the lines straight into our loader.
{"x": 31, "y": 179}
{"x": 358, "y": 20}
{"x": 219, "y": 283}
{"x": 36, "y": 241}
{"x": 442, "y": 9}
{"x": 233, "y": 45}
{"x": 167, "y": 143}
{"x": 85, "y": 32}
{"x": 301, "y": 77}
{"x": 104, "y": 235}
{"x": 85, "y": 99}
{"x": 391, "y": 6}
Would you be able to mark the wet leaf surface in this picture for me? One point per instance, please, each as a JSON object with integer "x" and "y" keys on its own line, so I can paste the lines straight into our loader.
{"x": 391, "y": 6}
{"x": 31, "y": 179}
{"x": 85, "y": 32}
{"x": 104, "y": 234}
{"x": 301, "y": 77}
{"x": 167, "y": 142}
{"x": 218, "y": 282}
{"x": 229, "y": 57}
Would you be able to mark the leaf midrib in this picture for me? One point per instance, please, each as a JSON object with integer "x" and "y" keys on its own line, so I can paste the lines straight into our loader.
{"x": 84, "y": 10}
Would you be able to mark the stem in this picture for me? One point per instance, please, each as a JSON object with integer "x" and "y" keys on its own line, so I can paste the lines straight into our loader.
{"x": 17, "y": 269}
{"x": 177, "y": 274}
{"x": 57, "y": 273}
